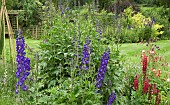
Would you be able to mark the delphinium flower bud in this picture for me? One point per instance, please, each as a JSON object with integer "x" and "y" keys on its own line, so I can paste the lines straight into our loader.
{"x": 100, "y": 35}
{"x": 76, "y": 44}
{"x": 153, "y": 20}
{"x": 112, "y": 97}
{"x": 23, "y": 63}
{"x": 129, "y": 27}
{"x": 97, "y": 26}
{"x": 86, "y": 55}
{"x": 98, "y": 30}
{"x": 103, "y": 68}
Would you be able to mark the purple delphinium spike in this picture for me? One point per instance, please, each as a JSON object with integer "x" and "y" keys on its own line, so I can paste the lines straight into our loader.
{"x": 103, "y": 68}
{"x": 23, "y": 63}
{"x": 86, "y": 55}
{"x": 112, "y": 97}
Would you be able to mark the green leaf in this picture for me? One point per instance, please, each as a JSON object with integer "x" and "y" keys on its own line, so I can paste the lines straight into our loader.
{"x": 43, "y": 99}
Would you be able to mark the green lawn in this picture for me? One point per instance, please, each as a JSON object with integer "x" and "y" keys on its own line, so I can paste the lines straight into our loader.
{"x": 30, "y": 42}
{"x": 133, "y": 51}
{"x": 33, "y": 43}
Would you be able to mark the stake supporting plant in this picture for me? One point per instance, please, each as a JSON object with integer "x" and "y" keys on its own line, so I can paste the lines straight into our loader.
{"x": 4, "y": 47}
{"x": 4, "y": 17}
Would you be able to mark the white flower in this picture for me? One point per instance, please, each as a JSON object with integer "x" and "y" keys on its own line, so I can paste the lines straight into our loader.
{"x": 143, "y": 51}
{"x": 168, "y": 80}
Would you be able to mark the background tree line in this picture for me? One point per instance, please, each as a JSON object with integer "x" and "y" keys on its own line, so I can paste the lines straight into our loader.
{"x": 32, "y": 8}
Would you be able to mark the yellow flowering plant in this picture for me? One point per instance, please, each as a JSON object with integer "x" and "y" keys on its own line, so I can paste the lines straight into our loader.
{"x": 138, "y": 21}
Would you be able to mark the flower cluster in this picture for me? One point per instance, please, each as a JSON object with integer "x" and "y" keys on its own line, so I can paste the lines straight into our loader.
{"x": 23, "y": 64}
{"x": 136, "y": 82}
{"x": 112, "y": 97}
{"x": 144, "y": 64}
{"x": 86, "y": 55}
{"x": 150, "y": 88}
{"x": 102, "y": 69}
{"x": 146, "y": 85}
{"x": 155, "y": 90}
{"x": 150, "y": 92}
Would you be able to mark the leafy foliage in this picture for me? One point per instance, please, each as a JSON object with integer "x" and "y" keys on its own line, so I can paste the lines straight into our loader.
{"x": 31, "y": 14}
{"x": 139, "y": 28}
{"x": 67, "y": 71}
{"x": 61, "y": 64}
{"x": 161, "y": 16}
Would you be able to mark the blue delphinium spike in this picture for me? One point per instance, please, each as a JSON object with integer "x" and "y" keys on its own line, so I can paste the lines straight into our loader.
{"x": 23, "y": 63}
{"x": 86, "y": 55}
{"x": 103, "y": 68}
{"x": 112, "y": 97}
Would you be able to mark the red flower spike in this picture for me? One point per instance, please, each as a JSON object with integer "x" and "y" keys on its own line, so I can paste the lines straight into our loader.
{"x": 146, "y": 85}
{"x": 155, "y": 91}
{"x": 144, "y": 64}
{"x": 136, "y": 83}
{"x": 158, "y": 99}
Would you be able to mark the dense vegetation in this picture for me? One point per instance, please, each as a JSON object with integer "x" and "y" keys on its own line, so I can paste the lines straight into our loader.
{"x": 101, "y": 52}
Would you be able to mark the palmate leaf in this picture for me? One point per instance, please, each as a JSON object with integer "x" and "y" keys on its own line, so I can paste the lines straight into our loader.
{"x": 1, "y": 37}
